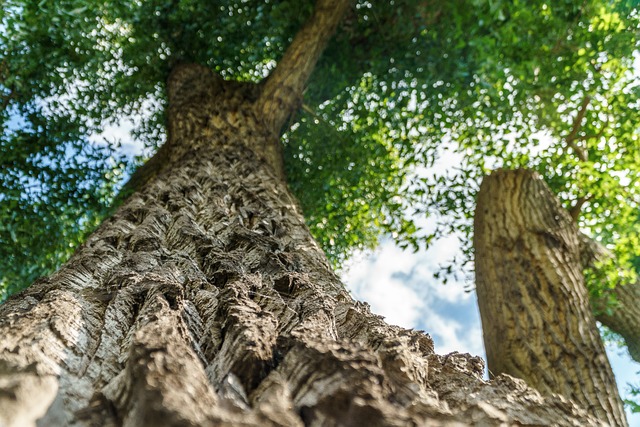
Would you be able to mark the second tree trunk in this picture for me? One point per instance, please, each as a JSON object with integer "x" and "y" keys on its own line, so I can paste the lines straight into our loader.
{"x": 534, "y": 305}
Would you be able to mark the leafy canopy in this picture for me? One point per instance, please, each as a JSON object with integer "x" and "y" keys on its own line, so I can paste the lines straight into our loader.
{"x": 549, "y": 85}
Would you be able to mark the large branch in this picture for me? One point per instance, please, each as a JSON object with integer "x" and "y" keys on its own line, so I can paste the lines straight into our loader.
{"x": 624, "y": 317}
{"x": 282, "y": 91}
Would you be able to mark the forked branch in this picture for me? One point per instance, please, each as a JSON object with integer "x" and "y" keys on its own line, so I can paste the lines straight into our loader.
{"x": 577, "y": 207}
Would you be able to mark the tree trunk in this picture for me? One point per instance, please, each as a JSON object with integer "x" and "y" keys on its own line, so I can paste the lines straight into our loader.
{"x": 624, "y": 317}
{"x": 205, "y": 301}
{"x": 534, "y": 305}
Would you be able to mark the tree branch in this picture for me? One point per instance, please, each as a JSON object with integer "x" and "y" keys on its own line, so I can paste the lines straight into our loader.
{"x": 282, "y": 91}
{"x": 577, "y": 124}
{"x": 577, "y": 207}
{"x": 624, "y": 317}
{"x": 573, "y": 23}
{"x": 599, "y": 134}
{"x": 6, "y": 99}
{"x": 341, "y": 136}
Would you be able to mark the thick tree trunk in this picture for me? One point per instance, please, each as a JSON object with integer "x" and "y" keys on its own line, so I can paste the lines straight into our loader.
{"x": 205, "y": 301}
{"x": 534, "y": 306}
{"x": 624, "y": 317}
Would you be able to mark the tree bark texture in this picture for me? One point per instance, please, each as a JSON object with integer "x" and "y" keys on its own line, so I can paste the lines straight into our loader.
{"x": 534, "y": 306}
{"x": 205, "y": 301}
{"x": 624, "y": 317}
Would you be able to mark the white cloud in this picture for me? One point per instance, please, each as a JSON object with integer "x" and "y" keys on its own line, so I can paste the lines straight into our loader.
{"x": 400, "y": 286}
{"x": 372, "y": 279}
{"x": 450, "y": 334}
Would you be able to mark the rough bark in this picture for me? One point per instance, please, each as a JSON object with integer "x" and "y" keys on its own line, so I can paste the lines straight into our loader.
{"x": 534, "y": 306}
{"x": 205, "y": 301}
{"x": 624, "y": 317}
{"x": 202, "y": 106}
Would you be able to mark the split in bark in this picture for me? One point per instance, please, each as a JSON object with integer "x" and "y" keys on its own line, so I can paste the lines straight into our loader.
{"x": 533, "y": 302}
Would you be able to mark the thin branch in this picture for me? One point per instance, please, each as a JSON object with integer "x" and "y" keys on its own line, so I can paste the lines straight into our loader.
{"x": 311, "y": 111}
{"x": 597, "y": 136}
{"x": 282, "y": 91}
{"x": 3, "y": 71}
{"x": 573, "y": 22}
{"x": 577, "y": 207}
{"x": 577, "y": 124}
{"x": 581, "y": 153}
{"x": 6, "y": 99}
{"x": 341, "y": 136}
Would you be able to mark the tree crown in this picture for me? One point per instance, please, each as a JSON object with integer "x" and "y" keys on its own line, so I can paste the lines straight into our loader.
{"x": 545, "y": 85}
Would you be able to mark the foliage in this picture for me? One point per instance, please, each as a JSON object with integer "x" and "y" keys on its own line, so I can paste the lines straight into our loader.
{"x": 498, "y": 83}
{"x": 55, "y": 187}
{"x": 362, "y": 166}
{"x": 544, "y": 85}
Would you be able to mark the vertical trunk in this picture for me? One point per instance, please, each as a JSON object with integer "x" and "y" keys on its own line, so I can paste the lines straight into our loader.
{"x": 205, "y": 301}
{"x": 534, "y": 306}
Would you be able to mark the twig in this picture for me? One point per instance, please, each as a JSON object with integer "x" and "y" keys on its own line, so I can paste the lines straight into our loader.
{"x": 577, "y": 207}
{"x": 598, "y": 135}
{"x": 331, "y": 126}
{"x": 6, "y": 99}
